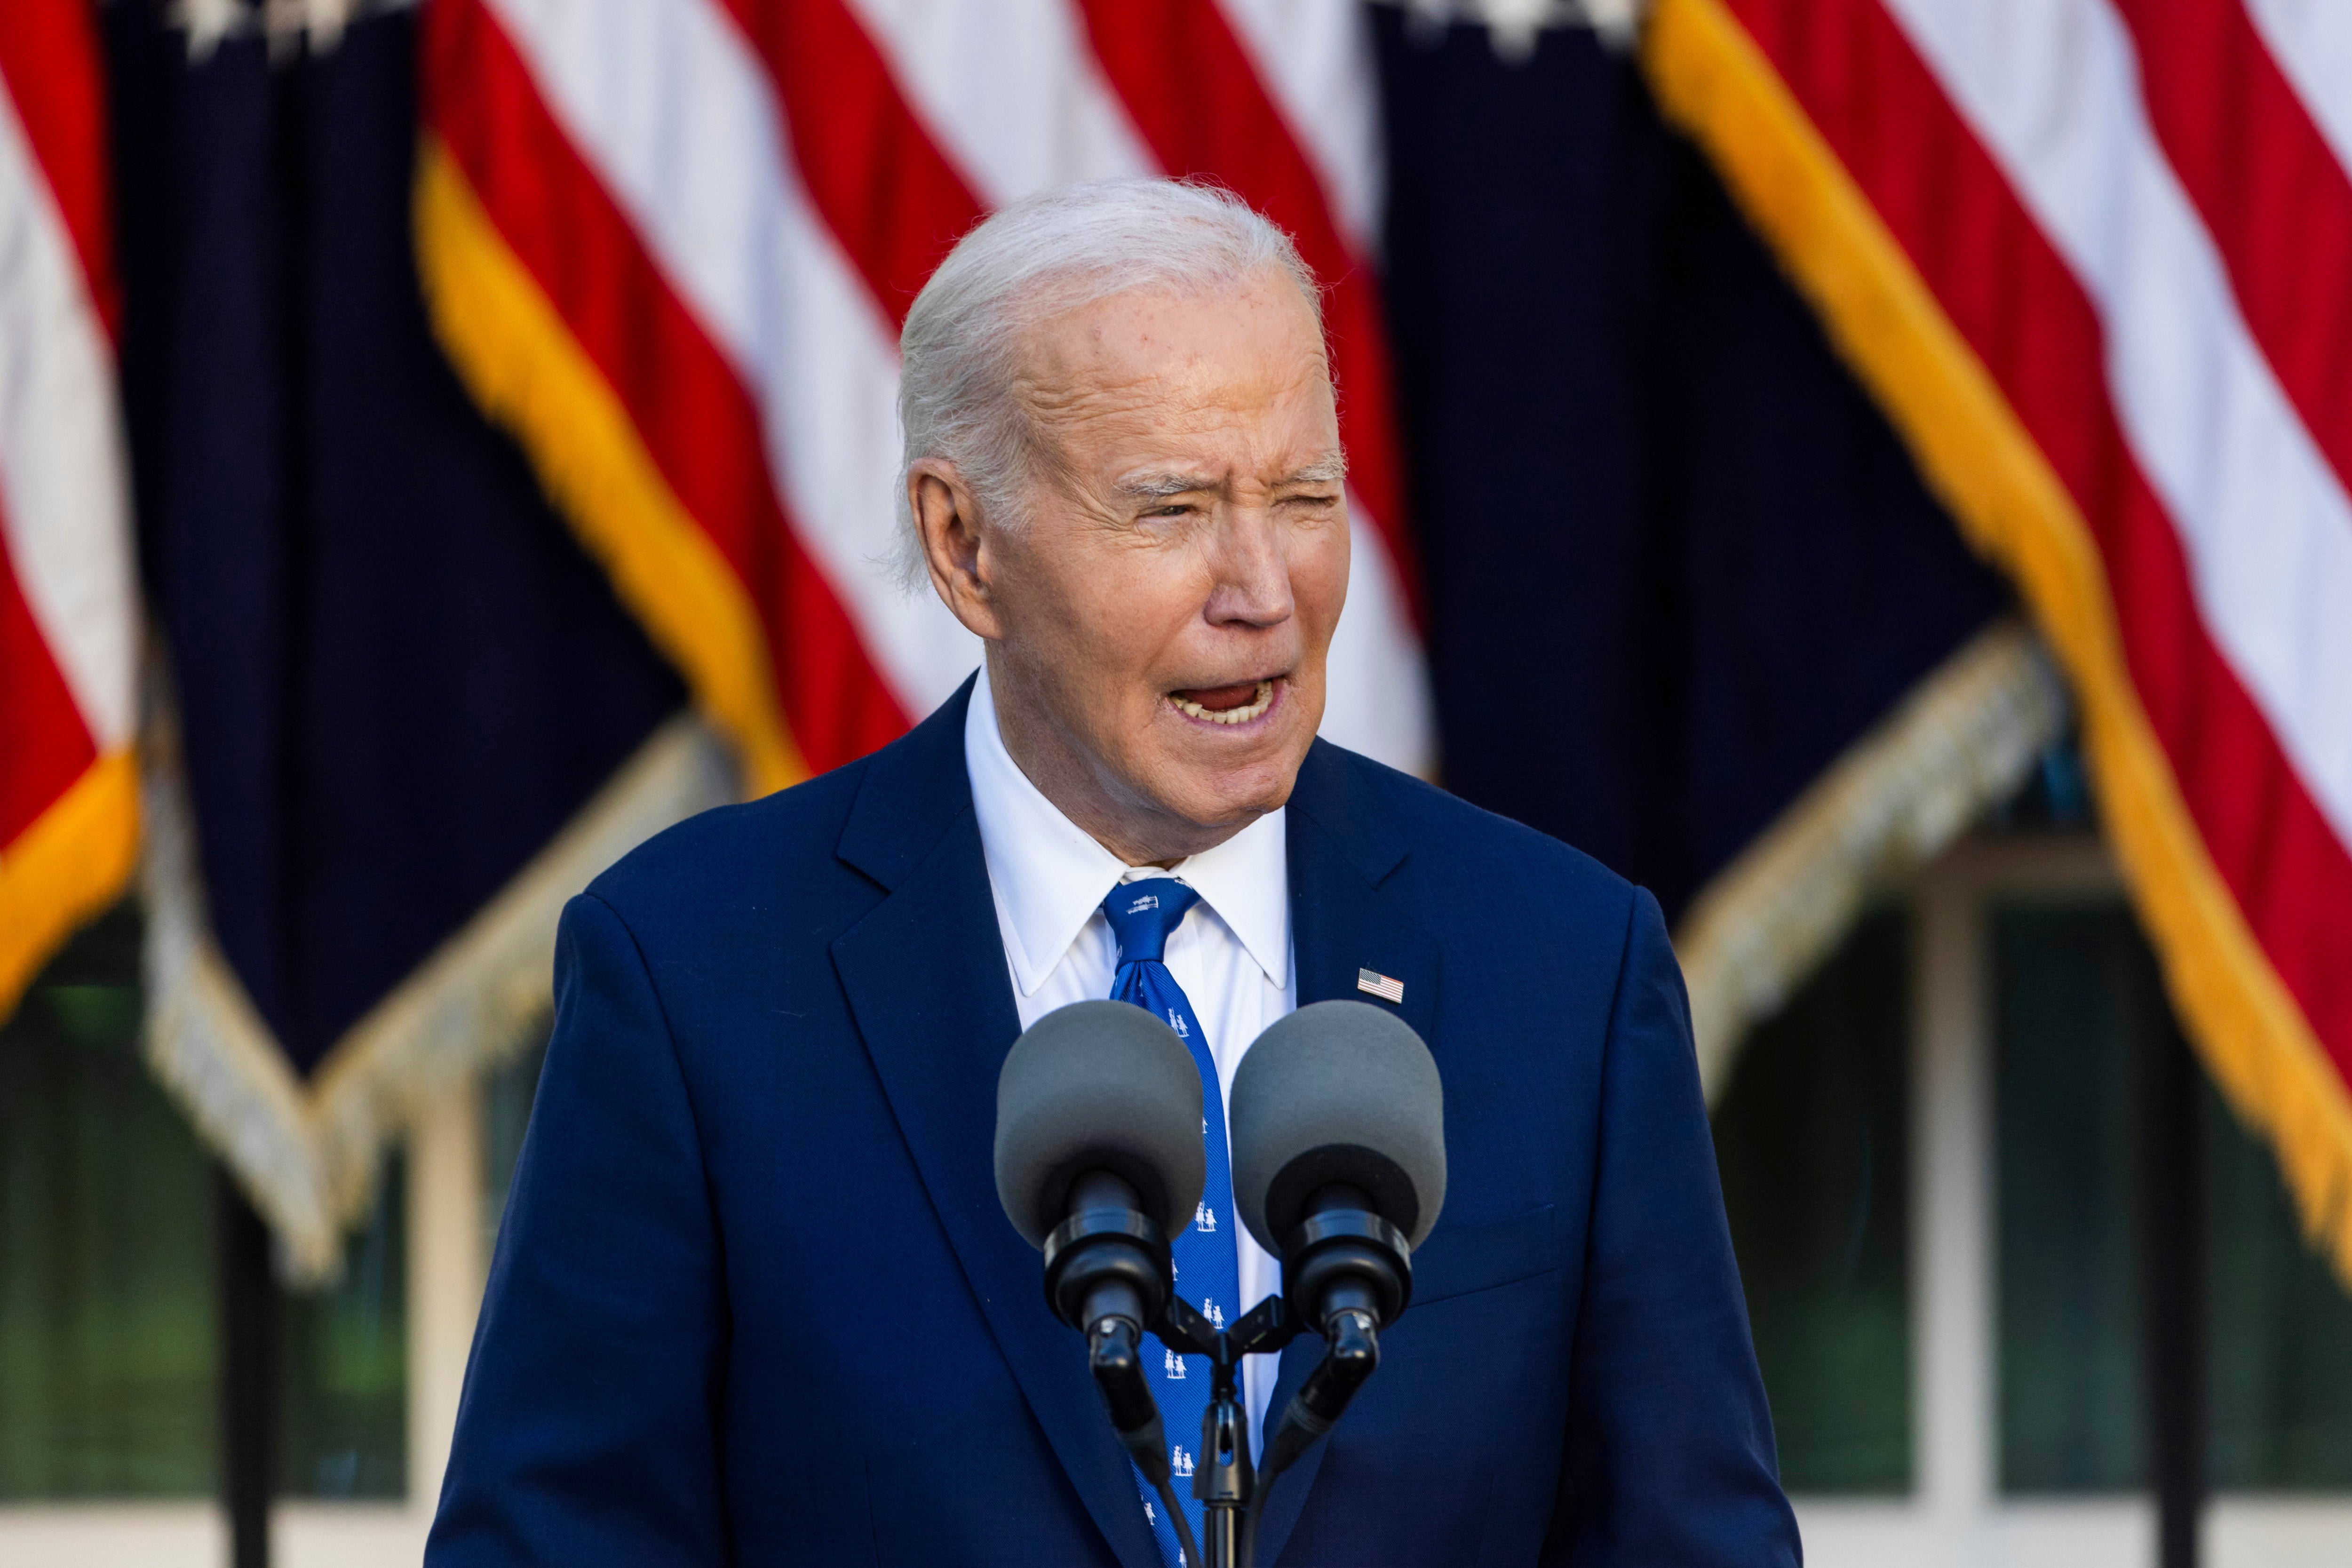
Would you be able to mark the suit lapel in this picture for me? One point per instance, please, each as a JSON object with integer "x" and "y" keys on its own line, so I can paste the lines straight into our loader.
{"x": 926, "y": 978}
{"x": 1345, "y": 915}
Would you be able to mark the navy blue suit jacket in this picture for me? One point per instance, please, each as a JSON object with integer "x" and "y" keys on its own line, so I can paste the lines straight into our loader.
{"x": 754, "y": 1301}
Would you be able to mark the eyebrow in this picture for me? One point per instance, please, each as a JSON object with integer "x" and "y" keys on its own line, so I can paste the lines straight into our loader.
{"x": 1159, "y": 485}
{"x": 1330, "y": 471}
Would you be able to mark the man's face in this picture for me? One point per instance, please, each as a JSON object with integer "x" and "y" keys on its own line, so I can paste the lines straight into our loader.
{"x": 1159, "y": 619}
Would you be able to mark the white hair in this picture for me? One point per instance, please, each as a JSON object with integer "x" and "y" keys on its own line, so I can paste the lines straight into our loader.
{"x": 1039, "y": 259}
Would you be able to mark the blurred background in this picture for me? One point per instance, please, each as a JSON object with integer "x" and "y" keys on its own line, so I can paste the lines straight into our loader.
{"x": 1873, "y": 471}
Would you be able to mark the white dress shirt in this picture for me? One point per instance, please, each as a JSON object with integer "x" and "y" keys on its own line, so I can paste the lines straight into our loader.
{"x": 1232, "y": 954}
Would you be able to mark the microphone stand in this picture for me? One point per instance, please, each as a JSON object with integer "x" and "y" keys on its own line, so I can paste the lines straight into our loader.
{"x": 1346, "y": 1266}
{"x": 1223, "y": 1477}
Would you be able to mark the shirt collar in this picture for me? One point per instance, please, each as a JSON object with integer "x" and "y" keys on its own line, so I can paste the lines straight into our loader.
{"x": 1049, "y": 876}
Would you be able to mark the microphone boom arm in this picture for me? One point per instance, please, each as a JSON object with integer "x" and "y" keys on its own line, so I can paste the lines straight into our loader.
{"x": 1347, "y": 1272}
{"x": 1223, "y": 1477}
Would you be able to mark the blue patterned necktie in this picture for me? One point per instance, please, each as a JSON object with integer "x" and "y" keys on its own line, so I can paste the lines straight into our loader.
{"x": 1208, "y": 1268}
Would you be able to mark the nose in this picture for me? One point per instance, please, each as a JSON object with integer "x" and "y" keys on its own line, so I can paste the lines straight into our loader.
{"x": 1251, "y": 590}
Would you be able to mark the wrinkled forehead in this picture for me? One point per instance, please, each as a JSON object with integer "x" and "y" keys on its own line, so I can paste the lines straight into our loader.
{"x": 1177, "y": 357}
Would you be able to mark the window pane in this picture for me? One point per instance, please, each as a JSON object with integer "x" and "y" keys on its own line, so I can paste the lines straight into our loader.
{"x": 107, "y": 1289}
{"x": 2075, "y": 1002}
{"x": 2080, "y": 1005}
{"x": 2281, "y": 1328}
{"x": 345, "y": 1402}
{"x": 106, "y": 1226}
{"x": 1812, "y": 1137}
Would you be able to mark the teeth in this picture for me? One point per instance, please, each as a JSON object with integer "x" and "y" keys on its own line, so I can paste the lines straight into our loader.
{"x": 1243, "y": 715}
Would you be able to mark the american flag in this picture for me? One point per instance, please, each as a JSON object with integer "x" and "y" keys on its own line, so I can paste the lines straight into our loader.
{"x": 69, "y": 791}
{"x": 2095, "y": 259}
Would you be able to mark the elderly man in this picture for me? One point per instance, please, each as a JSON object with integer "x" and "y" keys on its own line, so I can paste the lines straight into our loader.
{"x": 754, "y": 1300}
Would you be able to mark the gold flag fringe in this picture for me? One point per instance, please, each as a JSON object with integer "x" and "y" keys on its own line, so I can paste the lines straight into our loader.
{"x": 308, "y": 1153}
{"x": 1962, "y": 740}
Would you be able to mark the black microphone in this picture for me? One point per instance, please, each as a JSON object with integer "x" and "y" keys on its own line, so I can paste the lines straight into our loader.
{"x": 1337, "y": 1120}
{"x": 1099, "y": 1161}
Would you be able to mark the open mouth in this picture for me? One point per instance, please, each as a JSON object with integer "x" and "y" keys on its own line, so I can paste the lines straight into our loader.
{"x": 1225, "y": 704}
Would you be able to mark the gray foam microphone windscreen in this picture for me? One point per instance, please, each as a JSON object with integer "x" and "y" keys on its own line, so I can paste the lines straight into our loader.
{"x": 1339, "y": 1091}
{"x": 1098, "y": 1086}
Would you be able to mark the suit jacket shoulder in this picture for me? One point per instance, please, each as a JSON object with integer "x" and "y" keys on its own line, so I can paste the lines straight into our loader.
{"x": 734, "y": 856}
{"x": 1454, "y": 827}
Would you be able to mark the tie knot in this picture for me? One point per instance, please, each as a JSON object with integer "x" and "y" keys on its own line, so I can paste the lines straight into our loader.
{"x": 1141, "y": 914}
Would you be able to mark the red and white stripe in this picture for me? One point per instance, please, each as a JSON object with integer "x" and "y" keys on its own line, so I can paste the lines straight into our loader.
{"x": 66, "y": 614}
{"x": 791, "y": 171}
{"x": 2137, "y": 213}
{"x": 2311, "y": 40}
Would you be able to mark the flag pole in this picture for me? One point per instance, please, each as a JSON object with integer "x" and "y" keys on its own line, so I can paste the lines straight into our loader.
{"x": 249, "y": 1338}
{"x": 2173, "y": 1289}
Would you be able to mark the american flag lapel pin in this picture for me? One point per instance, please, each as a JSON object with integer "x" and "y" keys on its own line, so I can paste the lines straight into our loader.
{"x": 1372, "y": 983}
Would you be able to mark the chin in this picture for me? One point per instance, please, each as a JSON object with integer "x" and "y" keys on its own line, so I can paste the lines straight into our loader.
{"x": 1231, "y": 795}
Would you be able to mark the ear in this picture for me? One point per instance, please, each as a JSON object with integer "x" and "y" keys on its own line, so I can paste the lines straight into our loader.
{"x": 956, "y": 544}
